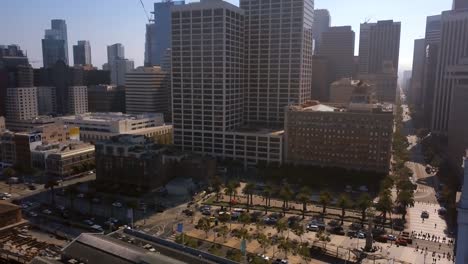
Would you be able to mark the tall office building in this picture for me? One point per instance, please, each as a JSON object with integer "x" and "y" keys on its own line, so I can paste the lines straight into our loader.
{"x": 158, "y": 33}
{"x": 78, "y": 100}
{"x": 459, "y": 4}
{"x": 82, "y": 53}
{"x": 320, "y": 78}
{"x": 432, "y": 37}
{"x": 207, "y": 82}
{"x": 55, "y": 44}
{"x": 379, "y": 43}
{"x": 118, "y": 64}
{"x": 106, "y": 98}
{"x": 321, "y": 24}
{"x": 115, "y": 51}
{"x": 458, "y": 125}
{"x": 453, "y": 47}
{"x": 146, "y": 91}
{"x": 337, "y": 45}
{"x": 278, "y": 58}
{"x": 416, "y": 89}
{"x": 46, "y": 100}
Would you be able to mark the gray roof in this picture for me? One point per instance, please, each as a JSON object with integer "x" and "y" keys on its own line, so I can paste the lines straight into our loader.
{"x": 98, "y": 248}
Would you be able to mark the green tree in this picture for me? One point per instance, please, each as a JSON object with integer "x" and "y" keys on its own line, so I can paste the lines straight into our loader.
{"x": 281, "y": 226}
{"x": 298, "y": 230}
{"x": 363, "y": 203}
{"x": 285, "y": 245}
{"x": 244, "y": 218}
{"x": 344, "y": 203}
{"x": 248, "y": 191}
{"x": 205, "y": 225}
{"x": 223, "y": 231}
{"x": 324, "y": 200}
{"x": 385, "y": 204}
{"x": 304, "y": 198}
{"x": 264, "y": 241}
{"x": 405, "y": 198}
{"x": 216, "y": 184}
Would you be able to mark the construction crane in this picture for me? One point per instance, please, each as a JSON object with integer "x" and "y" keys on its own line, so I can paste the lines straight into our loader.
{"x": 146, "y": 12}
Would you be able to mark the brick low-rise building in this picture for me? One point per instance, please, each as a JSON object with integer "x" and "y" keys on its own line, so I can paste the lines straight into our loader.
{"x": 69, "y": 158}
{"x": 9, "y": 214}
{"x": 356, "y": 137}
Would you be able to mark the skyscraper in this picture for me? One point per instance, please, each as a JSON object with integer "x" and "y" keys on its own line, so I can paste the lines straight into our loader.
{"x": 416, "y": 90}
{"x": 278, "y": 58}
{"x": 55, "y": 44}
{"x": 379, "y": 43}
{"x": 338, "y": 47}
{"x": 117, "y": 63}
{"x": 453, "y": 47}
{"x": 82, "y": 53}
{"x": 322, "y": 22}
{"x": 432, "y": 37}
{"x": 158, "y": 34}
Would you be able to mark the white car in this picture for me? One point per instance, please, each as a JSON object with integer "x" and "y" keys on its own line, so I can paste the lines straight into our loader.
{"x": 80, "y": 195}
{"x": 117, "y": 204}
{"x": 46, "y": 211}
{"x": 32, "y": 214}
{"x": 88, "y": 222}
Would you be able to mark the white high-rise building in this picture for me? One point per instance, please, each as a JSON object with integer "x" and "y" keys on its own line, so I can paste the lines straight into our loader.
{"x": 78, "y": 99}
{"x": 453, "y": 47}
{"x": 118, "y": 64}
{"x": 278, "y": 56}
{"x": 146, "y": 91}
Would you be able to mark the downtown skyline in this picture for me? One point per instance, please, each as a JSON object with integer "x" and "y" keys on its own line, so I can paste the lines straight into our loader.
{"x": 111, "y": 25}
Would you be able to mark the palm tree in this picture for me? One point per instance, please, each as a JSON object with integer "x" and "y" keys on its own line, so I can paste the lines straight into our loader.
{"x": 249, "y": 191}
{"x": 267, "y": 192}
{"x": 264, "y": 241}
{"x": 281, "y": 226}
{"x": 216, "y": 183}
{"x": 344, "y": 203}
{"x": 298, "y": 230}
{"x": 363, "y": 203}
{"x": 50, "y": 184}
{"x": 325, "y": 199}
{"x": 286, "y": 195}
{"x": 231, "y": 190}
{"x": 385, "y": 204}
{"x": 285, "y": 246}
{"x": 405, "y": 198}
{"x": 304, "y": 198}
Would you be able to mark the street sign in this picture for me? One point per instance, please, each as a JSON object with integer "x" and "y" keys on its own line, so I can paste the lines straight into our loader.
{"x": 180, "y": 227}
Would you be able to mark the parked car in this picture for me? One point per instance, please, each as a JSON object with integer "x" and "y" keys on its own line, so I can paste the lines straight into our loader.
{"x": 117, "y": 204}
{"x": 46, "y": 211}
{"x": 312, "y": 227}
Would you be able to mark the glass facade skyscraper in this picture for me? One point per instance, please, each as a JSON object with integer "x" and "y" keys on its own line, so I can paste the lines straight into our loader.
{"x": 55, "y": 43}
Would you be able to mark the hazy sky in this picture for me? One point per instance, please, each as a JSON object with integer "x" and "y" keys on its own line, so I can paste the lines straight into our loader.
{"x": 105, "y": 22}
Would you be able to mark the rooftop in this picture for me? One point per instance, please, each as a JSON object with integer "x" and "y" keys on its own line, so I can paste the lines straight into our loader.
{"x": 316, "y": 106}
{"x": 6, "y": 207}
{"x": 111, "y": 116}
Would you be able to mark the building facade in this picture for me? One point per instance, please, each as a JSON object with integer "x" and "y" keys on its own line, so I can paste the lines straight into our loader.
{"x": 462, "y": 218}
{"x": 147, "y": 91}
{"x": 416, "y": 89}
{"x": 385, "y": 83}
{"x": 82, "y": 53}
{"x": 379, "y": 43}
{"x": 46, "y": 100}
{"x": 21, "y": 103}
{"x": 454, "y": 39}
{"x": 78, "y": 99}
{"x": 321, "y": 24}
{"x": 337, "y": 45}
{"x": 342, "y": 91}
{"x": 2, "y": 123}
{"x": 102, "y": 126}
{"x": 320, "y": 78}
{"x": 358, "y": 137}
{"x": 9, "y": 214}
{"x": 106, "y": 98}
{"x": 458, "y": 123}
{"x": 69, "y": 158}
{"x": 285, "y": 76}
{"x": 432, "y": 37}
{"x": 55, "y": 44}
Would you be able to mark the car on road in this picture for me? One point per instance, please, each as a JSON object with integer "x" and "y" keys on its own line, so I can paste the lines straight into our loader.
{"x": 280, "y": 261}
{"x": 96, "y": 200}
{"x": 206, "y": 212}
{"x": 97, "y": 228}
{"x": 401, "y": 242}
{"x": 88, "y": 222}
{"x": 117, "y": 204}
{"x": 81, "y": 195}
{"x": 24, "y": 206}
{"x": 60, "y": 207}
{"x": 361, "y": 234}
{"x": 391, "y": 237}
{"x": 425, "y": 214}
{"x": 32, "y": 214}
{"x": 312, "y": 227}
{"x": 268, "y": 220}
{"x": 32, "y": 187}
{"x": 47, "y": 211}
{"x": 187, "y": 212}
